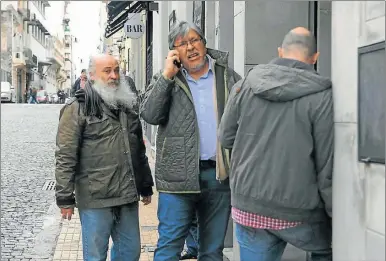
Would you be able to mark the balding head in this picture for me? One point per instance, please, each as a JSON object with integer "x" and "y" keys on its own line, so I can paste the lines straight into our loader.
{"x": 108, "y": 83}
{"x": 104, "y": 67}
{"x": 299, "y": 44}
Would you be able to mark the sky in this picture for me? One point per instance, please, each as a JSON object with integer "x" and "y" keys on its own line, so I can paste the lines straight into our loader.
{"x": 84, "y": 25}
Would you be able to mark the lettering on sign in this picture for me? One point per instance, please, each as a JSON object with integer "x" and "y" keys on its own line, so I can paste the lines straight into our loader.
{"x": 134, "y": 27}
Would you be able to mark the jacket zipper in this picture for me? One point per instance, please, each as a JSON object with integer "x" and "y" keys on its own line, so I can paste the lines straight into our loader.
{"x": 128, "y": 154}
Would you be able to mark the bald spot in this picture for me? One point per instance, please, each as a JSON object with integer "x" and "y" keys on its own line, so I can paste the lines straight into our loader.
{"x": 105, "y": 61}
{"x": 300, "y": 40}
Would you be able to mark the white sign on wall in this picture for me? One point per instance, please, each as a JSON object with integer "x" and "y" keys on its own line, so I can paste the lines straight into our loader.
{"x": 134, "y": 27}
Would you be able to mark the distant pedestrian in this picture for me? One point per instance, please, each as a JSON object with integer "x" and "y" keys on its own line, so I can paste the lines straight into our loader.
{"x": 186, "y": 101}
{"x": 33, "y": 96}
{"x": 61, "y": 96}
{"x": 80, "y": 83}
{"x": 279, "y": 124}
{"x": 101, "y": 164}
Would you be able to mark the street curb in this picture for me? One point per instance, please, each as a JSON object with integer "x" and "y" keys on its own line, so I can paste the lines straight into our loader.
{"x": 45, "y": 241}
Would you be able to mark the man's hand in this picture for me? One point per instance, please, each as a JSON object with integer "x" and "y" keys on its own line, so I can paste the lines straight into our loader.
{"x": 146, "y": 200}
{"x": 67, "y": 213}
{"x": 170, "y": 68}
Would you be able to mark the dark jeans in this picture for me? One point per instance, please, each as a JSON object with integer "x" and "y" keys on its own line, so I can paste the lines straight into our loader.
{"x": 175, "y": 214}
{"x": 269, "y": 245}
{"x": 192, "y": 238}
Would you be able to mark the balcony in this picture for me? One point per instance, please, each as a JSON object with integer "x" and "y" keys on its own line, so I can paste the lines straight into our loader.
{"x": 61, "y": 76}
{"x": 54, "y": 59}
{"x": 31, "y": 60}
{"x": 25, "y": 13}
{"x": 18, "y": 59}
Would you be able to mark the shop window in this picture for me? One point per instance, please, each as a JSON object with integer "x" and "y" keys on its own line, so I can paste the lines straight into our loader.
{"x": 172, "y": 19}
{"x": 371, "y": 100}
{"x": 199, "y": 14}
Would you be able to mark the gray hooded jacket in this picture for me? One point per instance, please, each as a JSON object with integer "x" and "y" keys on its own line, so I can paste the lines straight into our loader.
{"x": 279, "y": 124}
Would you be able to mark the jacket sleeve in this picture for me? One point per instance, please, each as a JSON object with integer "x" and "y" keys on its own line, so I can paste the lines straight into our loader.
{"x": 75, "y": 87}
{"x": 229, "y": 121}
{"x": 66, "y": 154}
{"x": 323, "y": 135}
{"x": 154, "y": 108}
{"x": 147, "y": 178}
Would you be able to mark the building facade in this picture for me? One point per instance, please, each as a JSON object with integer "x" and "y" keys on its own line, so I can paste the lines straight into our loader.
{"x": 13, "y": 38}
{"x": 351, "y": 40}
{"x": 38, "y": 42}
{"x": 56, "y": 75}
{"x": 68, "y": 43}
{"x": 32, "y": 57}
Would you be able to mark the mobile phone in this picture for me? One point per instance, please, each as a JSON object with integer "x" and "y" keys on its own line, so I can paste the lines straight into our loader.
{"x": 176, "y": 63}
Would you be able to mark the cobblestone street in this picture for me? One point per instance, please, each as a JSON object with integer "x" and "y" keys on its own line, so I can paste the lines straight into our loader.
{"x": 29, "y": 218}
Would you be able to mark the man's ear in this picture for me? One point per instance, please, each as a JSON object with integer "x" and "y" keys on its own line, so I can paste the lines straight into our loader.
{"x": 280, "y": 52}
{"x": 92, "y": 77}
{"x": 315, "y": 57}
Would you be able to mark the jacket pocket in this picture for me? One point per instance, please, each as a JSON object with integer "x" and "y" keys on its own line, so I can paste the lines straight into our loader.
{"x": 104, "y": 182}
{"x": 173, "y": 167}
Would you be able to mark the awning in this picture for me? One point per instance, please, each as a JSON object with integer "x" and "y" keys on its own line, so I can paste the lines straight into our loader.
{"x": 44, "y": 63}
{"x": 117, "y": 12}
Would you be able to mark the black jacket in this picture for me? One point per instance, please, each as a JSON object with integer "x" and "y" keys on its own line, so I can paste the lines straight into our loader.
{"x": 75, "y": 87}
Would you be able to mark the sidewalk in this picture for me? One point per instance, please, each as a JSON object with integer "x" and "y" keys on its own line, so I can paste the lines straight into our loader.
{"x": 69, "y": 245}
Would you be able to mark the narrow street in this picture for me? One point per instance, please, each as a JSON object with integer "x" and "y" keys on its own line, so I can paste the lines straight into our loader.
{"x": 30, "y": 220}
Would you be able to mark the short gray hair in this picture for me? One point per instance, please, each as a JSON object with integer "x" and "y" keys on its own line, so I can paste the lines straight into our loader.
{"x": 181, "y": 29}
{"x": 305, "y": 43}
{"x": 91, "y": 62}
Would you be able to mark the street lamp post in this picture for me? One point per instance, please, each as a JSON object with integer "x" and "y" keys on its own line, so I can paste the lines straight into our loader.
{"x": 72, "y": 72}
{"x": 73, "y": 40}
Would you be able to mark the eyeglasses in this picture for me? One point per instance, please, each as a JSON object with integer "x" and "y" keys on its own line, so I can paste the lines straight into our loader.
{"x": 185, "y": 44}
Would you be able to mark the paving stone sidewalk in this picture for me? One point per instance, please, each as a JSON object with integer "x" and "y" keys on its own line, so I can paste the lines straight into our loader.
{"x": 69, "y": 246}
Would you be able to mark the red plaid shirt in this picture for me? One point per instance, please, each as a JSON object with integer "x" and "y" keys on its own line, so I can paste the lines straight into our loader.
{"x": 256, "y": 221}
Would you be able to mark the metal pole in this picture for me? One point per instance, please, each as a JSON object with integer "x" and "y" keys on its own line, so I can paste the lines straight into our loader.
{"x": 72, "y": 72}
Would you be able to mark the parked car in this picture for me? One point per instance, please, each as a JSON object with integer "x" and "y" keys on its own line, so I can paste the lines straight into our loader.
{"x": 8, "y": 93}
{"x": 42, "y": 96}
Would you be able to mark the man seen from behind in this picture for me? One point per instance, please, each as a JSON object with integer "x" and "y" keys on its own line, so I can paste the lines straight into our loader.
{"x": 279, "y": 124}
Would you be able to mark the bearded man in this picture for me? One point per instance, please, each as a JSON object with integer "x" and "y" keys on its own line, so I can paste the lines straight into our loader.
{"x": 100, "y": 155}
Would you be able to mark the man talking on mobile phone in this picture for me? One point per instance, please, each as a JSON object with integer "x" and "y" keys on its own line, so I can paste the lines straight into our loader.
{"x": 192, "y": 168}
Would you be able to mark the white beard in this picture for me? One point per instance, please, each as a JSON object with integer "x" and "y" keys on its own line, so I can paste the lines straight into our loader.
{"x": 118, "y": 95}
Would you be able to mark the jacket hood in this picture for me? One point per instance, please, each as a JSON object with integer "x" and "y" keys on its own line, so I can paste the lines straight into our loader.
{"x": 284, "y": 80}
{"x": 221, "y": 57}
